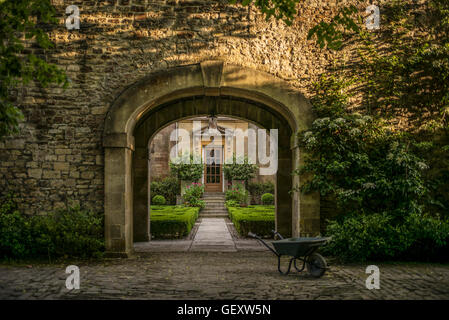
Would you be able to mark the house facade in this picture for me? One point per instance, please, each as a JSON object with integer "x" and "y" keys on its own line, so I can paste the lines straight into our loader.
{"x": 216, "y": 140}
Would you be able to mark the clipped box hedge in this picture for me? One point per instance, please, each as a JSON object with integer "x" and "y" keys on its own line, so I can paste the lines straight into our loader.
{"x": 172, "y": 222}
{"x": 257, "y": 219}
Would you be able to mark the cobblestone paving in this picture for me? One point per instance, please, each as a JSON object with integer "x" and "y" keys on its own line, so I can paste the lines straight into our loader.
{"x": 213, "y": 275}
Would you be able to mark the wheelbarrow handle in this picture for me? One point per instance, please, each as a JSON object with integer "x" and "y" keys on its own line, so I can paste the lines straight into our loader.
{"x": 255, "y": 236}
{"x": 277, "y": 234}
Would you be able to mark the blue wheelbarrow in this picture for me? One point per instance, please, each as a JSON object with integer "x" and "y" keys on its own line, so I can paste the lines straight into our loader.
{"x": 302, "y": 249}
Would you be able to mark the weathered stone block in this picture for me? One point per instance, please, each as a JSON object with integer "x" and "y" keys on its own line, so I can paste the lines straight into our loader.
{"x": 35, "y": 173}
{"x": 50, "y": 174}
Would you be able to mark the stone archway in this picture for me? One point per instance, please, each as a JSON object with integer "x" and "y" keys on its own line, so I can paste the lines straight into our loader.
{"x": 164, "y": 97}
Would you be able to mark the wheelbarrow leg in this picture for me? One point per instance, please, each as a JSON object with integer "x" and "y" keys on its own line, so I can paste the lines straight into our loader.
{"x": 289, "y": 265}
{"x": 303, "y": 265}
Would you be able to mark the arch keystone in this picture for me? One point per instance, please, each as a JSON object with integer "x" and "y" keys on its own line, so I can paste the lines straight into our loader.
{"x": 212, "y": 71}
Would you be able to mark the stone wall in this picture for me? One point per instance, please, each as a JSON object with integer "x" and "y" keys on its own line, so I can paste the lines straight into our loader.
{"x": 58, "y": 156}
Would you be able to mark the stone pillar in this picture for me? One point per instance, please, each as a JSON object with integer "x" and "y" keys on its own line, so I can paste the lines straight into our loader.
{"x": 309, "y": 207}
{"x": 118, "y": 204}
{"x": 295, "y": 194}
{"x": 283, "y": 200}
{"x": 141, "y": 218}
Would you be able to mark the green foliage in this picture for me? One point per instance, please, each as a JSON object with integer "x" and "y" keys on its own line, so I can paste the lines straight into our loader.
{"x": 432, "y": 149}
{"x": 192, "y": 195}
{"x": 23, "y": 21}
{"x": 402, "y": 69}
{"x": 256, "y": 219}
{"x": 331, "y": 95}
{"x": 366, "y": 167}
{"x": 385, "y": 179}
{"x": 158, "y": 200}
{"x": 267, "y": 199}
{"x": 239, "y": 169}
{"x": 65, "y": 233}
{"x": 187, "y": 167}
{"x": 256, "y": 190}
{"x": 280, "y": 9}
{"x": 232, "y": 203}
{"x": 172, "y": 222}
{"x": 331, "y": 33}
{"x": 168, "y": 188}
{"x": 378, "y": 237}
{"x": 238, "y": 193}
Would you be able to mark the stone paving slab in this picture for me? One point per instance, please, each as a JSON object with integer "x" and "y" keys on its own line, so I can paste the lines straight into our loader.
{"x": 249, "y": 245}
{"x": 163, "y": 246}
{"x": 213, "y": 275}
{"x": 212, "y": 235}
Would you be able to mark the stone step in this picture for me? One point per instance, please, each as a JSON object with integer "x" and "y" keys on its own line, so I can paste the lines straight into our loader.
{"x": 213, "y": 215}
{"x": 214, "y": 211}
{"x": 215, "y": 208}
{"x": 213, "y": 196}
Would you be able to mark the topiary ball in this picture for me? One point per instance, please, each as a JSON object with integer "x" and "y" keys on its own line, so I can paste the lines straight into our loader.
{"x": 267, "y": 198}
{"x": 158, "y": 200}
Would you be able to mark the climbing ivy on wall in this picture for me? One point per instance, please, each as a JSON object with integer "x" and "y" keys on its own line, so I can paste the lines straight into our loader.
{"x": 23, "y": 21}
{"x": 381, "y": 139}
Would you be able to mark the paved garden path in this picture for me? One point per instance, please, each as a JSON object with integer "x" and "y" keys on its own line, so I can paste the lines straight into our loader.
{"x": 218, "y": 275}
{"x": 209, "y": 235}
{"x": 213, "y": 235}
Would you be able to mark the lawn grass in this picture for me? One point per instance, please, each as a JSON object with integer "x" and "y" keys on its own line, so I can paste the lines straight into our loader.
{"x": 258, "y": 219}
{"x": 172, "y": 222}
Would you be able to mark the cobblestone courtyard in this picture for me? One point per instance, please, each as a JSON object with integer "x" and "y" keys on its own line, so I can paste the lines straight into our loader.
{"x": 213, "y": 275}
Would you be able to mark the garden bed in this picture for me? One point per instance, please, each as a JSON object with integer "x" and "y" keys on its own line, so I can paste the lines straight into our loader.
{"x": 172, "y": 222}
{"x": 258, "y": 219}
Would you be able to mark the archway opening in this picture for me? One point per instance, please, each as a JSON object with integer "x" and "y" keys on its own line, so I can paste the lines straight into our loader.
{"x": 203, "y": 106}
{"x": 167, "y": 96}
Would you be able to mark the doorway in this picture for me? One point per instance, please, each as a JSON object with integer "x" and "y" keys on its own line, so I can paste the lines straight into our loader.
{"x": 213, "y": 169}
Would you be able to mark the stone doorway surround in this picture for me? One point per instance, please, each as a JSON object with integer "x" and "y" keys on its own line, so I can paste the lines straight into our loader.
{"x": 199, "y": 89}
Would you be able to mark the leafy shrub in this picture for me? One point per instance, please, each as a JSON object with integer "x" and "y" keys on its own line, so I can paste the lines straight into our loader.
{"x": 237, "y": 193}
{"x": 72, "y": 232}
{"x": 367, "y": 168}
{"x": 232, "y": 203}
{"x": 172, "y": 222}
{"x": 239, "y": 169}
{"x": 168, "y": 188}
{"x": 195, "y": 202}
{"x": 192, "y": 195}
{"x": 378, "y": 237}
{"x": 158, "y": 200}
{"x": 267, "y": 198}
{"x": 187, "y": 167}
{"x": 256, "y": 219}
{"x": 257, "y": 189}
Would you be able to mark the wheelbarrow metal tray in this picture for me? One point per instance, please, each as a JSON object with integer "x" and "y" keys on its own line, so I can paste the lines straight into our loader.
{"x": 297, "y": 247}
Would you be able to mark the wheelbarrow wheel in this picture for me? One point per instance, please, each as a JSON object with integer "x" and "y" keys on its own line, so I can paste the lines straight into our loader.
{"x": 316, "y": 265}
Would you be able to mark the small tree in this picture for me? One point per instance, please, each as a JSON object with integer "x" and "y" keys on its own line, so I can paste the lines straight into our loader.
{"x": 240, "y": 170}
{"x": 187, "y": 167}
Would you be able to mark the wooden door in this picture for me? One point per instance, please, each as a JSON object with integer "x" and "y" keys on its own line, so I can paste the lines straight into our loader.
{"x": 213, "y": 175}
